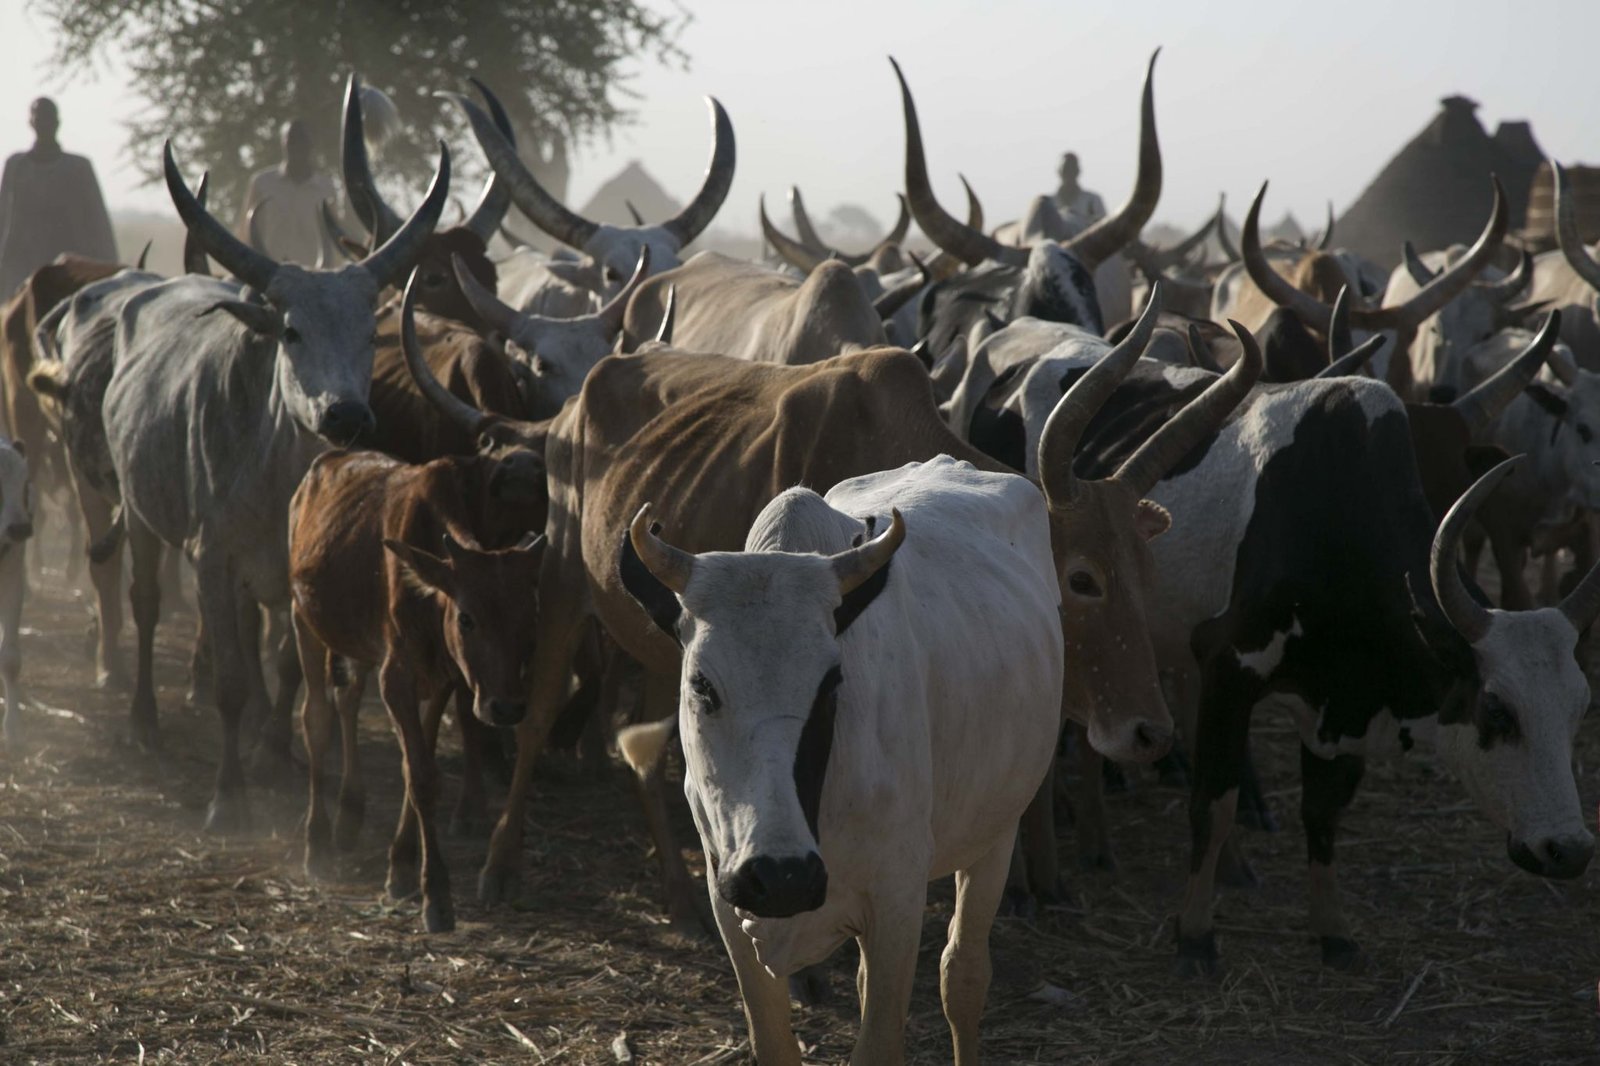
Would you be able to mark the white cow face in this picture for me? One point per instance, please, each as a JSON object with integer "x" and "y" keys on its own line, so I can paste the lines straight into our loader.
{"x": 16, "y": 496}
{"x": 1513, "y": 748}
{"x": 325, "y": 331}
{"x": 761, "y": 673}
{"x": 616, "y": 250}
{"x": 555, "y": 356}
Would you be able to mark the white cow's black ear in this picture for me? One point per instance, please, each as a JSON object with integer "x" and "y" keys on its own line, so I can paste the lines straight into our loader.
{"x": 647, "y": 591}
{"x": 859, "y": 599}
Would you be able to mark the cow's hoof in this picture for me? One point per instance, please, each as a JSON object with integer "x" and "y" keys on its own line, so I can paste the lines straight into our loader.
{"x": 347, "y": 824}
{"x": 497, "y": 884}
{"x": 1018, "y": 903}
{"x": 112, "y": 679}
{"x": 1197, "y": 957}
{"x": 1342, "y": 954}
{"x": 227, "y": 815}
{"x": 402, "y": 882}
{"x": 809, "y": 987}
{"x": 439, "y": 915}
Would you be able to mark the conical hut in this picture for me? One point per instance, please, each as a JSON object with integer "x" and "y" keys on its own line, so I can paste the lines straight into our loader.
{"x": 1435, "y": 192}
{"x": 632, "y": 184}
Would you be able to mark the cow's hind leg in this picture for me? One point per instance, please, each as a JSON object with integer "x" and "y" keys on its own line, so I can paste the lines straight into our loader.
{"x": 144, "y": 596}
{"x": 316, "y": 726}
{"x": 645, "y": 749}
{"x": 352, "y": 808}
{"x": 422, "y": 793}
{"x": 106, "y": 577}
{"x": 766, "y": 1003}
{"x": 220, "y": 610}
{"x": 13, "y": 587}
{"x": 1329, "y": 786}
{"x": 964, "y": 968}
{"x": 272, "y": 740}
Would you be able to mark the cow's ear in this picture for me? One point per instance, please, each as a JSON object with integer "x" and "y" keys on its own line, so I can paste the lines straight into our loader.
{"x": 1546, "y": 398}
{"x": 1151, "y": 519}
{"x": 254, "y": 317}
{"x": 859, "y": 599}
{"x": 421, "y": 571}
{"x": 1482, "y": 458}
{"x": 658, "y": 601}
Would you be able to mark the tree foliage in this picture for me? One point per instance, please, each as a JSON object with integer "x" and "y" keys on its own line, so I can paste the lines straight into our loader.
{"x": 220, "y": 76}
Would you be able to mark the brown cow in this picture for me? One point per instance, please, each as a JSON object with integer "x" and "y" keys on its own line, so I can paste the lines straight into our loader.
{"x": 368, "y": 585}
{"x": 711, "y": 440}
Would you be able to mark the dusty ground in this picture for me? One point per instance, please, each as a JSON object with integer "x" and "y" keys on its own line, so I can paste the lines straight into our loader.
{"x": 126, "y": 935}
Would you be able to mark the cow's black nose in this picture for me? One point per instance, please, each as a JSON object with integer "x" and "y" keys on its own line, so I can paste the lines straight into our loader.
{"x": 344, "y": 421}
{"x": 505, "y": 712}
{"x": 1557, "y": 857}
{"x": 776, "y": 888}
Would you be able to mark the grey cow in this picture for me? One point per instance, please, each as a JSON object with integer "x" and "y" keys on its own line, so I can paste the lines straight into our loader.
{"x": 212, "y": 418}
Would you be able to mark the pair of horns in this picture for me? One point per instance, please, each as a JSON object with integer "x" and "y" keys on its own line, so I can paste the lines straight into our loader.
{"x": 810, "y": 250}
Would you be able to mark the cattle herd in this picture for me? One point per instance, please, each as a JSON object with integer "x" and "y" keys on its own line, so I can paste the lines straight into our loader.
{"x": 870, "y": 538}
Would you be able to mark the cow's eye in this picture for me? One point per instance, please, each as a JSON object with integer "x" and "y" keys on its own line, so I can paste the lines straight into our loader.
{"x": 1498, "y": 723}
{"x": 466, "y": 622}
{"x": 705, "y": 693}
{"x": 291, "y": 335}
{"x": 1082, "y": 583}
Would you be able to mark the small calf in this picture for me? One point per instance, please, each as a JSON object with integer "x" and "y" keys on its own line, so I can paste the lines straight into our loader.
{"x": 16, "y": 526}
{"x": 370, "y": 584}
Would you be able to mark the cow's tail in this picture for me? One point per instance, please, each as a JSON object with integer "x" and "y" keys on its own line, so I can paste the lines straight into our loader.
{"x": 642, "y": 745}
{"x": 103, "y": 549}
{"x": 49, "y": 379}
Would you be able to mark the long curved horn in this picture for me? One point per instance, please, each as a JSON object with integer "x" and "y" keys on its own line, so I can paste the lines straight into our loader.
{"x": 496, "y": 198}
{"x": 1350, "y": 363}
{"x": 1198, "y": 419}
{"x": 943, "y": 264}
{"x": 802, "y": 222}
{"x": 1572, "y": 247}
{"x": 1225, "y": 242}
{"x": 1467, "y": 615}
{"x": 669, "y": 316}
{"x": 1165, "y": 259}
{"x": 794, "y": 252}
{"x": 194, "y": 256}
{"x": 673, "y": 567}
{"x": 891, "y": 300}
{"x": 397, "y": 254}
{"x": 1509, "y": 287}
{"x": 1324, "y": 239}
{"x": 380, "y": 220}
{"x": 1058, "y": 444}
{"x": 971, "y": 245}
{"x": 1493, "y": 394}
{"x": 1415, "y": 266}
{"x": 1277, "y": 288}
{"x": 238, "y": 258}
{"x": 1340, "y": 342}
{"x": 1105, "y": 238}
{"x": 451, "y": 406}
{"x": 545, "y": 211}
{"x": 854, "y": 566}
{"x": 495, "y": 313}
{"x": 144, "y": 255}
{"x": 687, "y": 224}
{"x": 258, "y": 239}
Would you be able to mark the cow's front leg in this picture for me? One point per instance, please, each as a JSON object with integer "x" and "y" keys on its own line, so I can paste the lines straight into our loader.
{"x": 644, "y": 747}
{"x": 316, "y": 727}
{"x": 422, "y": 792}
{"x": 766, "y": 1002}
{"x": 888, "y": 964}
{"x": 220, "y": 612}
{"x": 405, "y": 850}
{"x": 352, "y": 791}
{"x": 964, "y": 968}
{"x": 1329, "y": 785}
{"x": 13, "y": 585}
{"x": 105, "y": 574}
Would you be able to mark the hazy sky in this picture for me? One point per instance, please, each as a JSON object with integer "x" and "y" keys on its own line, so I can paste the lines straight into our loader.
{"x": 1245, "y": 90}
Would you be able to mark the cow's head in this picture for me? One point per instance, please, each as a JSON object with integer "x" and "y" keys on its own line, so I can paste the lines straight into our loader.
{"x": 1508, "y": 732}
{"x": 322, "y": 322}
{"x": 16, "y": 496}
{"x": 556, "y": 353}
{"x": 615, "y": 248}
{"x": 1055, "y": 278}
{"x": 761, "y": 672}
{"x": 1100, "y": 532}
{"x": 490, "y": 605}
{"x": 1480, "y": 311}
{"x": 438, "y": 292}
{"x": 1571, "y": 405}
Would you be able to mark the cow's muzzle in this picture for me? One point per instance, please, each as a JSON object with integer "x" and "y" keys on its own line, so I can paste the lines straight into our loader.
{"x": 1558, "y": 857}
{"x": 502, "y": 712}
{"x": 343, "y": 422}
{"x": 776, "y": 888}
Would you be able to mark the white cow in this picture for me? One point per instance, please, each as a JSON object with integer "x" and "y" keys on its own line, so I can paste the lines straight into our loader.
{"x": 16, "y": 526}
{"x": 839, "y": 755}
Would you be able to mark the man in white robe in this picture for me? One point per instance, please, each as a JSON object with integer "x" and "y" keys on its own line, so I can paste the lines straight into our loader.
{"x": 50, "y": 203}
{"x": 290, "y": 195}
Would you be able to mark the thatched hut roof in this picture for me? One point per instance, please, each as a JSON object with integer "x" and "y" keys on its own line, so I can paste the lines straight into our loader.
{"x": 632, "y": 184}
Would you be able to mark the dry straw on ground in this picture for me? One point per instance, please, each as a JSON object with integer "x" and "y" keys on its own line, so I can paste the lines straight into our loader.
{"x": 127, "y": 936}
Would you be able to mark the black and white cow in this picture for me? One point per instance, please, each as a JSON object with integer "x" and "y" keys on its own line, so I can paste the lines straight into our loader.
{"x": 1296, "y": 569}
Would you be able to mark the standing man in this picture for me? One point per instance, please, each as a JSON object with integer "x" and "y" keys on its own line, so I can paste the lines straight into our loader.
{"x": 1073, "y": 199}
{"x": 50, "y": 203}
{"x": 290, "y": 195}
